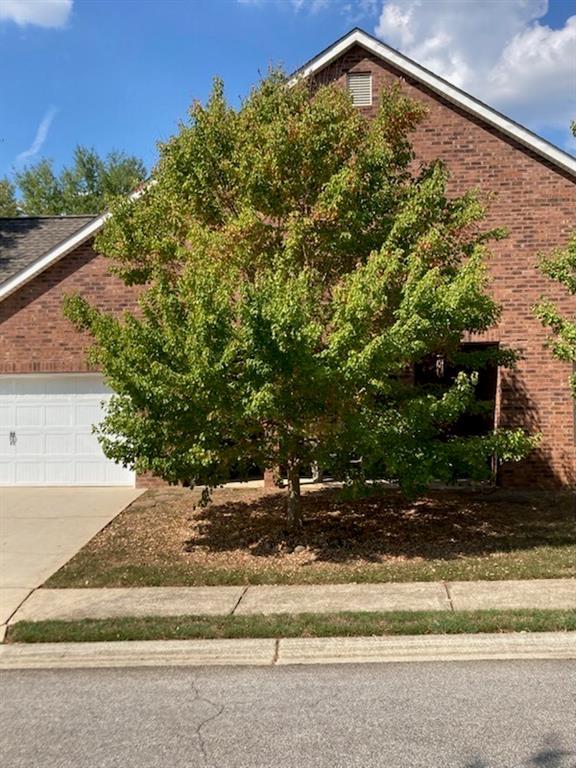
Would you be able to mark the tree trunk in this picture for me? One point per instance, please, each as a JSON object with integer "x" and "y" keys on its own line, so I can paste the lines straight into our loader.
{"x": 270, "y": 476}
{"x": 317, "y": 472}
{"x": 294, "y": 508}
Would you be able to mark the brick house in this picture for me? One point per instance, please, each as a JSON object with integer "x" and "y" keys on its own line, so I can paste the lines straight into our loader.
{"x": 49, "y": 398}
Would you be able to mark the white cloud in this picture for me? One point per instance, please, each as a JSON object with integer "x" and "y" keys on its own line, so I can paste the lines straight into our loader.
{"x": 42, "y": 13}
{"x": 498, "y": 51}
{"x": 40, "y": 138}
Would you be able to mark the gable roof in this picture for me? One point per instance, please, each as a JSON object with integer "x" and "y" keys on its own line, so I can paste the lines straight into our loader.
{"x": 30, "y": 244}
{"x": 29, "y": 260}
{"x": 443, "y": 88}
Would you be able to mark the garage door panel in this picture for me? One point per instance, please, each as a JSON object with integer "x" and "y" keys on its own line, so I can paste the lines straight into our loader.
{"x": 29, "y": 472}
{"x": 114, "y": 474}
{"x": 7, "y": 418}
{"x": 51, "y": 418}
{"x": 7, "y": 450}
{"x": 29, "y": 415}
{"x": 60, "y": 444}
{"x": 29, "y": 444}
{"x": 87, "y": 413}
{"x": 7, "y": 473}
{"x": 90, "y": 472}
{"x": 59, "y": 414}
{"x": 87, "y": 445}
{"x": 59, "y": 472}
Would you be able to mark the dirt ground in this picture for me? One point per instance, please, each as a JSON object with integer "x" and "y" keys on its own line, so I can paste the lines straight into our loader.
{"x": 241, "y": 537}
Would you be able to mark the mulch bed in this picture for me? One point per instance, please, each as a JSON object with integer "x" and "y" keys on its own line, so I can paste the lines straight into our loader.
{"x": 244, "y": 531}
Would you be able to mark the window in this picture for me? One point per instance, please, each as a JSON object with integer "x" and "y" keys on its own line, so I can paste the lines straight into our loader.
{"x": 360, "y": 87}
{"x": 438, "y": 374}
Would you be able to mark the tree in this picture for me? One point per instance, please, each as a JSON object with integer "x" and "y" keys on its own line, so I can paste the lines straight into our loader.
{"x": 8, "y": 204}
{"x": 561, "y": 267}
{"x": 296, "y": 269}
{"x": 41, "y": 193}
{"x": 85, "y": 187}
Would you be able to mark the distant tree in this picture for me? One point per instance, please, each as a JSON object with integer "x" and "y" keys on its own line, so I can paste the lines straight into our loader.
{"x": 561, "y": 266}
{"x": 8, "y": 204}
{"x": 296, "y": 269}
{"x": 85, "y": 187}
{"x": 40, "y": 189}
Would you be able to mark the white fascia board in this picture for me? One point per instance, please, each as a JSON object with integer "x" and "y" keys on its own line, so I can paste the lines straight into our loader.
{"x": 45, "y": 261}
{"x": 444, "y": 89}
{"x": 54, "y": 255}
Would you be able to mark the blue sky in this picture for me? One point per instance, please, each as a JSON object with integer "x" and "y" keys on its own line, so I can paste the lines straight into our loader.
{"x": 119, "y": 74}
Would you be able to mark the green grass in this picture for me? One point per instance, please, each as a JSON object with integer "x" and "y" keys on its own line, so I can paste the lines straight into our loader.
{"x": 298, "y": 625}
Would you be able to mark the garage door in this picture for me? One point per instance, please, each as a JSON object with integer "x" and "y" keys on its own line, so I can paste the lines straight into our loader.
{"x": 46, "y": 432}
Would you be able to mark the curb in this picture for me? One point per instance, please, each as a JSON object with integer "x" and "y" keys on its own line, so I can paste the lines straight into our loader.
{"x": 421, "y": 648}
{"x": 139, "y": 653}
{"x": 291, "y": 651}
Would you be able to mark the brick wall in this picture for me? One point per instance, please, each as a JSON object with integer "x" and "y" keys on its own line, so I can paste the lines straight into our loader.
{"x": 536, "y": 202}
{"x": 35, "y": 335}
{"x": 533, "y": 199}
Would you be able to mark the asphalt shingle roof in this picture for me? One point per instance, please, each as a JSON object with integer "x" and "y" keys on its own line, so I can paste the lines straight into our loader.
{"x": 27, "y": 238}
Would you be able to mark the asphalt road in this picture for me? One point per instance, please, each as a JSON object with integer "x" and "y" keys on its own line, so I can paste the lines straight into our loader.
{"x": 433, "y": 715}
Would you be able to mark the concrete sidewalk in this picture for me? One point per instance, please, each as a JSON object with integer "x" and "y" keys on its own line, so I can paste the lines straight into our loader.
{"x": 77, "y": 604}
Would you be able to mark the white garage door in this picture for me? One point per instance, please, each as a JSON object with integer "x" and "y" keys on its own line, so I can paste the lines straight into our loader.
{"x": 46, "y": 432}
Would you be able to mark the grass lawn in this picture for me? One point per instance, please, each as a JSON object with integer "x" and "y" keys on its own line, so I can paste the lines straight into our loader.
{"x": 162, "y": 539}
{"x": 299, "y": 625}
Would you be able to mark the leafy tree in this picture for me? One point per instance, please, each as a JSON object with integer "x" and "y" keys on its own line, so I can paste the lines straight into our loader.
{"x": 41, "y": 193}
{"x": 8, "y": 204}
{"x": 561, "y": 266}
{"x": 296, "y": 269}
{"x": 85, "y": 187}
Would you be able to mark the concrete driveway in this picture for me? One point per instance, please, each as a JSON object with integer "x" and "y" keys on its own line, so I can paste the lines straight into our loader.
{"x": 42, "y": 528}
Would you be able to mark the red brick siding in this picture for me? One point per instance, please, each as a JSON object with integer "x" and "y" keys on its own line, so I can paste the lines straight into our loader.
{"x": 148, "y": 480}
{"x": 35, "y": 335}
{"x": 536, "y": 203}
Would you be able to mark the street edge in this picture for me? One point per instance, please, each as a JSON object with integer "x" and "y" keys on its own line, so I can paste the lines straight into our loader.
{"x": 290, "y": 651}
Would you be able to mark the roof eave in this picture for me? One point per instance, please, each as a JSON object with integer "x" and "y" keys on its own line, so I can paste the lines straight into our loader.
{"x": 444, "y": 89}
{"x": 52, "y": 256}
{"x": 55, "y": 254}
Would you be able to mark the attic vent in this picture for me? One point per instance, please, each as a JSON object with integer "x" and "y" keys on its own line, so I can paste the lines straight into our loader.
{"x": 360, "y": 87}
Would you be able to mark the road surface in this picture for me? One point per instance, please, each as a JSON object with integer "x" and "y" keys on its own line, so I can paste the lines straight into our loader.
{"x": 433, "y": 715}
